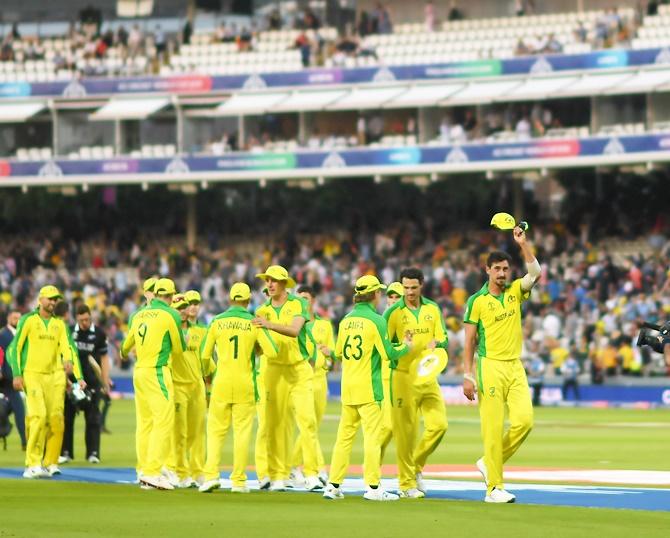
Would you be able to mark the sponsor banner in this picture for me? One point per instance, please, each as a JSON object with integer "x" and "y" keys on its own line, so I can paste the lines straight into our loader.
{"x": 534, "y": 151}
{"x": 317, "y": 77}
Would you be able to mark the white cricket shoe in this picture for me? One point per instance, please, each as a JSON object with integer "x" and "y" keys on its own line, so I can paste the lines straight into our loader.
{"x": 323, "y": 477}
{"x": 499, "y": 496}
{"x": 171, "y": 476}
{"x": 481, "y": 466}
{"x": 199, "y": 481}
{"x": 264, "y": 483}
{"x": 379, "y": 494}
{"x": 92, "y": 459}
{"x": 420, "y": 484}
{"x": 239, "y": 489}
{"x": 333, "y": 493}
{"x": 413, "y": 493}
{"x": 296, "y": 479}
{"x": 312, "y": 483}
{"x": 277, "y": 485}
{"x": 186, "y": 483}
{"x": 35, "y": 472}
{"x": 209, "y": 486}
{"x": 64, "y": 459}
{"x": 157, "y": 482}
{"x": 53, "y": 470}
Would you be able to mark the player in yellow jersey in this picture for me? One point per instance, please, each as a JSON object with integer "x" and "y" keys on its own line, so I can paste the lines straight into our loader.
{"x": 155, "y": 333}
{"x": 321, "y": 331}
{"x": 234, "y": 392}
{"x": 493, "y": 321}
{"x": 423, "y": 319}
{"x": 288, "y": 379}
{"x": 261, "y": 444}
{"x": 37, "y": 351}
{"x": 362, "y": 346}
{"x": 394, "y": 293}
{"x": 186, "y": 464}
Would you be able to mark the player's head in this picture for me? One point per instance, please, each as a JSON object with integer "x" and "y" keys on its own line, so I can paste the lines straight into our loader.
{"x": 62, "y": 311}
{"x": 277, "y": 281}
{"x": 165, "y": 290}
{"x": 307, "y": 292}
{"x": 368, "y": 289}
{"x": 411, "y": 279}
{"x": 148, "y": 288}
{"x": 180, "y": 304}
{"x": 48, "y": 297}
{"x": 193, "y": 299}
{"x": 13, "y": 318}
{"x": 240, "y": 294}
{"x": 84, "y": 317}
{"x": 498, "y": 267}
{"x": 394, "y": 292}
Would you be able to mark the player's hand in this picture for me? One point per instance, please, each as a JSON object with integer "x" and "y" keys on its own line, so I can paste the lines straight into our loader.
{"x": 68, "y": 367}
{"x": 325, "y": 350}
{"x": 519, "y": 236}
{"x": 432, "y": 344}
{"x": 106, "y": 385}
{"x": 408, "y": 339}
{"x": 82, "y": 384}
{"x": 261, "y": 322}
{"x": 469, "y": 389}
{"x": 17, "y": 383}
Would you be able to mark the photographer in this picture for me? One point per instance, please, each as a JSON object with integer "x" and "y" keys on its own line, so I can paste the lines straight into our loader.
{"x": 91, "y": 343}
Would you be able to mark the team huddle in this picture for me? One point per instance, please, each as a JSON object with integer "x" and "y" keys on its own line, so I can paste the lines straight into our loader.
{"x": 193, "y": 383}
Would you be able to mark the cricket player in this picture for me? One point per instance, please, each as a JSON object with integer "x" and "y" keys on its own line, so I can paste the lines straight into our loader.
{"x": 394, "y": 293}
{"x": 234, "y": 392}
{"x": 190, "y": 404}
{"x": 36, "y": 355}
{"x": 155, "y": 333}
{"x": 362, "y": 346}
{"x": 422, "y": 318}
{"x": 321, "y": 331}
{"x": 261, "y": 445}
{"x": 288, "y": 379}
{"x": 493, "y": 323}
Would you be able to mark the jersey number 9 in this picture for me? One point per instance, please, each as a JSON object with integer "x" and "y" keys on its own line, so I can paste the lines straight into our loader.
{"x": 142, "y": 331}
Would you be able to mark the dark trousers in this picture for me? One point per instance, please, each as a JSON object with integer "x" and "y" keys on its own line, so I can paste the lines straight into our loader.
{"x": 18, "y": 409}
{"x": 537, "y": 390}
{"x": 93, "y": 420}
{"x": 570, "y": 384}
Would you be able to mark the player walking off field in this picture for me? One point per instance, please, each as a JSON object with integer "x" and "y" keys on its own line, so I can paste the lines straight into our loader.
{"x": 155, "y": 333}
{"x": 288, "y": 379}
{"x": 234, "y": 390}
{"x": 422, "y": 318}
{"x": 190, "y": 404}
{"x": 37, "y": 355}
{"x": 362, "y": 345}
{"x": 493, "y": 324}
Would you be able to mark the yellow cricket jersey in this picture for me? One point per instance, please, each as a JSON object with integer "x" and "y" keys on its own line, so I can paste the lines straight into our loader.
{"x": 498, "y": 321}
{"x": 235, "y": 338}
{"x": 76, "y": 364}
{"x": 291, "y": 350}
{"x": 362, "y": 345}
{"x": 424, "y": 323}
{"x": 155, "y": 331}
{"x": 321, "y": 331}
{"x": 40, "y": 345}
{"x": 189, "y": 369}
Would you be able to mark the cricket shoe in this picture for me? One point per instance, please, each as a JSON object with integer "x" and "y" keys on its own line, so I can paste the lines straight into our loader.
{"x": 379, "y": 494}
{"x": 157, "y": 482}
{"x": 35, "y": 472}
{"x": 92, "y": 459}
{"x": 264, "y": 484}
{"x": 296, "y": 479}
{"x": 420, "y": 484}
{"x": 186, "y": 483}
{"x": 333, "y": 493}
{"x": 499, "y": 496}
{"x": 481, "y": 466}
{"x": 240, "y": 489}
{"x": 412, "y": 493}
{"x": 312, "y": 483}
{"x": 64, "y": 459}
{"x": 323, "y": 477}
{"x": 209, "y": 486}
{"x": 53, "y": 470}
{"x": 278, "y": 485}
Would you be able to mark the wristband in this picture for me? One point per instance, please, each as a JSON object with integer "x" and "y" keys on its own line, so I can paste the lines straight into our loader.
{"x": 470, "y": 378}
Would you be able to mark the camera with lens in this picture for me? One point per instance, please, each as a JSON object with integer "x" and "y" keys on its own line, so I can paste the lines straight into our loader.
{"x": 79, "y": 397}
{"x": 654, "y": 336}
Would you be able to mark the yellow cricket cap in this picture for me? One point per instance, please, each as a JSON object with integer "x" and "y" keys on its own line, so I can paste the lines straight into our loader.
{"x": 240, "y": 292}
{"x": 277, "y": 272}
{"x": 192, "y": 296}
{"x": 165, "y": 286}
{"x": 368, "y": 284}
{"x": 50, "y": 292}
{"x": 149, "y": 284}
{"x": 503, "y": 221}
{"x": 179, "y": 302}
{"x": 395, "y": 287}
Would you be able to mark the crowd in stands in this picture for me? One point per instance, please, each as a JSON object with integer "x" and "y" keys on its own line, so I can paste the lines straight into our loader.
{"x": 137, "y": 49}
{"x": 588, "y": 306}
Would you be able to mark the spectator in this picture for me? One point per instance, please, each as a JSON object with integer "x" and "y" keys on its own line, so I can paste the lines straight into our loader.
{"x": 383, "y": 19}
{"x": 570, "y": 372}
{"x": 523, "y": 128}
{"x": 581, "y": 34}
{"x": 186, "y": 32}
{"x": 159, "y": 42}
{"x": 274, "y": 20}
{"x": 135, "y": 39}
{"x": 364, "y": 25}
{"x": 553, "y": 45}
{"x": 429, "y": 16}
{"x": 303, "y": 44}
{"x": 535, "y": 369}
{"x": 454, "y": 14}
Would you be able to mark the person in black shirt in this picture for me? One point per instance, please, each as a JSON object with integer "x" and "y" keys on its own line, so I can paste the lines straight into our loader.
{"x": 91, "y": 343}
{"x": 6, "y": 388}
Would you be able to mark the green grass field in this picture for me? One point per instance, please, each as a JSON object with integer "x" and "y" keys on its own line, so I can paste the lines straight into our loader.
{"x": 571, "y": 438}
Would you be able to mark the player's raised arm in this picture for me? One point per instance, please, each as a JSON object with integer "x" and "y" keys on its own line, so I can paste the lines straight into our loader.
{"x": 532, "y": 265}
